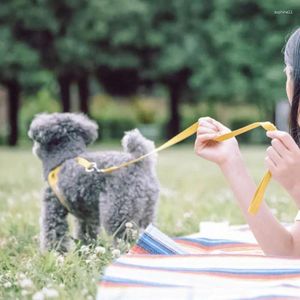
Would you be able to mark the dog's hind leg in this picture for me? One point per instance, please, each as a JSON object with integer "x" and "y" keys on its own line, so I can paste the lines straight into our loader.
{"x": 54, "y": 224}
{"x": 86, "y": 231}
{"x": 150, "y": 209}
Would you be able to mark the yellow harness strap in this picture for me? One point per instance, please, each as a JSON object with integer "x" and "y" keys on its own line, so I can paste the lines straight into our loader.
{"x": 53, "y": 180}
{"x": 258, "y": 197}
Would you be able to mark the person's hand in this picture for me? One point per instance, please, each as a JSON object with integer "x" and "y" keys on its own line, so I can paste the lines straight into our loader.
{"x": 218, "y": 152}
{"x": 283, "y": 160}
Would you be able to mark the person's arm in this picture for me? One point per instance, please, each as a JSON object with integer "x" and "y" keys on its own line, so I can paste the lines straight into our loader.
{"x": 273, "y": 238}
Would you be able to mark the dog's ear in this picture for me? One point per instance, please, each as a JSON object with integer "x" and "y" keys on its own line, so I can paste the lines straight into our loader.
{"x": 82, "y": 125}
{"x": 47, "y": 128}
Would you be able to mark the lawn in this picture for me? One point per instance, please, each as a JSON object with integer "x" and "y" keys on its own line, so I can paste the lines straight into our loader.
{"x": 192, "y": 190}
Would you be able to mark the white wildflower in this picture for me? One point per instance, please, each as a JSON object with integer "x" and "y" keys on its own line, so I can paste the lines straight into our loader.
{"x": 89, "y": 297}
{"x": 84, "y": 249}
{"x": 93, "y": 257}
{"x": 134, "y": 234}
{"x": 50, "y": 292}
{"x": 38, "y": 296}
{"x": 84, "y": 292}
{"x": 129, "y": 225}
{"x": 60, "y": 259}
{"x": 116, "y": 253}
{"x": 100, "y": 250}
{"x": 26, "y": 283}
{"x": 21, "y": 276}
{"x": 25, "y": 292}
{"x": 179, "y": 224}
{"x": 7, "y": 284}
{"x": 187, "y": 215}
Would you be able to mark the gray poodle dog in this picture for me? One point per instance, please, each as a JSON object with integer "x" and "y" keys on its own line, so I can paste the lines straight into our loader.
{"x": 95, "y": 199}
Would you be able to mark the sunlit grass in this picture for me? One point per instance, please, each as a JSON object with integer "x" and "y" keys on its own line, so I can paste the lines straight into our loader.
{"x": 192, "y": 190}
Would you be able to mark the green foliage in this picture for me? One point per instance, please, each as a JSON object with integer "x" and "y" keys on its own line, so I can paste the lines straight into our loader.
{"x": 113, "y": 118}
{"x": 207, "y": 51}
{"x": 39, "y": 103}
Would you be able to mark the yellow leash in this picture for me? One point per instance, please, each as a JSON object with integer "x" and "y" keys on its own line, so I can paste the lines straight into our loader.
{"x": 258, "y": 197}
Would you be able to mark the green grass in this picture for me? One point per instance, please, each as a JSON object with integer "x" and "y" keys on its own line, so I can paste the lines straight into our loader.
{"x": 193, "y": 190}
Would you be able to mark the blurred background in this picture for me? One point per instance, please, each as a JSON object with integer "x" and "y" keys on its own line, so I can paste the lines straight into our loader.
{"x": 155, "y": 65}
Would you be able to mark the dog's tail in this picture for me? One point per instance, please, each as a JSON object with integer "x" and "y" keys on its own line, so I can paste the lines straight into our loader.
{"x": 135, "y": 143}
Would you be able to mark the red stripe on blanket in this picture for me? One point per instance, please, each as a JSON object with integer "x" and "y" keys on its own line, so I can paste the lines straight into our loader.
{"x": 136, "y": 249}
{"x": 240, "y": 246}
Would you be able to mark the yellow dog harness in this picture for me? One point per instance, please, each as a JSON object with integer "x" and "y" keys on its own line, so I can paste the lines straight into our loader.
{"x": 92, "y": 166}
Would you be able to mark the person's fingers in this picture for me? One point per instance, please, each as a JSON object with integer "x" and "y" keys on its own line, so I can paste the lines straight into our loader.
{"x": 279, "y": 147}
{"x": 206, "y": 122}
{"x": 220, "y": 126}
{"x": 270, "y": 164}
{"x": 273, "y": 155}
{"x": 202, "y": 130}
{"x": 205, "y": 137}
{"x": 285, "y": 138}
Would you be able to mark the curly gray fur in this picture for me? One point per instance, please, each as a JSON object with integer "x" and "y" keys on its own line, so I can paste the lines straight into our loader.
{"x": 108, "y": 200}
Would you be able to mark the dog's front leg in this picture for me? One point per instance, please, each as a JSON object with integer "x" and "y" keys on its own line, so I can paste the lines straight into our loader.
{"x": 54, "y": 224}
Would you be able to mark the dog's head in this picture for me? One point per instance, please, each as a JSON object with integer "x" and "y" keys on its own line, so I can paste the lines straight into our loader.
{"x": 51, "y": 130}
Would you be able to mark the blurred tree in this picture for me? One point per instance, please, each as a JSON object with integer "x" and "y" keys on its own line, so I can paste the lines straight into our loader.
{"x": 242, "y": 60}
{"x": 209, "y": 50}
{"x": 61, "y": 33}
{"x": 146, "y": 43}
{"x": 120, "y": 44}
{"x": 18, "y": 62}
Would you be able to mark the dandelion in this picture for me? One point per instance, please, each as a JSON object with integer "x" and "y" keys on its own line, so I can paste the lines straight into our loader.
{"x": 50, "y": 292}
{"x": 116, "y": 253}
{"x": 26, "y": 283}
{"x": 100, "y": 250}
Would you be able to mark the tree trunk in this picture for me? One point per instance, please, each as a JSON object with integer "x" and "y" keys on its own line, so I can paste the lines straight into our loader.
{"x": 174, "y": 122}
{"x": 84, "y": 94}
{"x": 14, "y": 91}
{"x": 64, "y": 82}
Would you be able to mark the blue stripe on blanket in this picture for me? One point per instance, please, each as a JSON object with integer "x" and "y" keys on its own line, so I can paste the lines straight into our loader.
{"x": 138, "y": 282}
{"x": 209, "y": 242}
{"x": 153, "y": 246}
{"x": 263, "y": 272}
{"x": 271, "y": 297}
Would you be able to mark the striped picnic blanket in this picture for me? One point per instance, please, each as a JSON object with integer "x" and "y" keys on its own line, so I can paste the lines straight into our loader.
{"x": 159, "y": 267}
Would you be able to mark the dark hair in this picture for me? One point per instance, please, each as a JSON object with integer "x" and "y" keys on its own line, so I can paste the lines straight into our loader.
{"x": 292, "y": 60}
